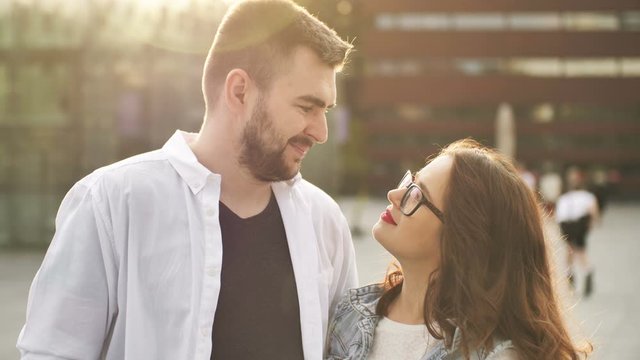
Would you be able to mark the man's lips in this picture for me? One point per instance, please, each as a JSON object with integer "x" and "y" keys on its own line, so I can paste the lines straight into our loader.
{"x": 386, "y": 217}
{"x": 301, "y": 144}
{"x": 301, "y": 149}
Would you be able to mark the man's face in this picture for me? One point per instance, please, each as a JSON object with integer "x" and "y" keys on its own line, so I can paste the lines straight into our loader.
{"x": 287, "y": 121}
{"x": 263, "y": 148}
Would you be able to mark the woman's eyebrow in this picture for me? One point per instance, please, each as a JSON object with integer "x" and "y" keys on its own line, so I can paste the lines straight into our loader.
{"x": 422, "y": 187}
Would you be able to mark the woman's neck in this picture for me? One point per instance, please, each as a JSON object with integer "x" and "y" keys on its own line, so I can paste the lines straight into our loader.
{"x": 408, "y": 306}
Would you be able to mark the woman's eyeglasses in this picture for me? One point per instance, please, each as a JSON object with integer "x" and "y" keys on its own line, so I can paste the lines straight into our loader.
{"x": 414, "y": 197}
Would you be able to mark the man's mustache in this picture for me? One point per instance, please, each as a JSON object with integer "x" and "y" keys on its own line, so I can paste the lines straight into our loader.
{"x": 302, "y": 140}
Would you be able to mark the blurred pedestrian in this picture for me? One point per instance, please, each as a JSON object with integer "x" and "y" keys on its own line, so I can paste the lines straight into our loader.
{"x": 576, "y": 212}
{"x": 213, "y": 246}
{"x": 550, "y": 186}
{"x": 475, "y": 278}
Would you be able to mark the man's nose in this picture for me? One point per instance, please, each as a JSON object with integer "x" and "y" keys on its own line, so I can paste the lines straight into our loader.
{"x": 317, "y": 129}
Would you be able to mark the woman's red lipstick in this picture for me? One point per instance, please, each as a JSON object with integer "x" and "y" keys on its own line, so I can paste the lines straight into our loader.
{"x": 386, "y": 217}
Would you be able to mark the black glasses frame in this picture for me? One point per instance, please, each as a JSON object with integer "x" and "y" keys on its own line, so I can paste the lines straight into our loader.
{"x": 423, "y": 201}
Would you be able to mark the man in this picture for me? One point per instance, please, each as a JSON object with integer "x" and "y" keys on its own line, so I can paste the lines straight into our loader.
{"x": 213, "y": 246}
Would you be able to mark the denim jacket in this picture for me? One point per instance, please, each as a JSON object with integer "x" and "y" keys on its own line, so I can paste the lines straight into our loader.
{"x": 351, "y": 331}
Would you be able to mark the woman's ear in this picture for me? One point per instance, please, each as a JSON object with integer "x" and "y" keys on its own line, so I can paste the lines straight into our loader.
{"x": 236, "y": 87}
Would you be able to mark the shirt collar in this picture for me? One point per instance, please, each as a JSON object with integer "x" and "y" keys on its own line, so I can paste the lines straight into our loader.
{"x": 185, "y": 162}
{"x": 291, "y": 181}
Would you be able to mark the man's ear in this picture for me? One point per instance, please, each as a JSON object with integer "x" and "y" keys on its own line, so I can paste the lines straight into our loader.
{"x": 236, "y": 87}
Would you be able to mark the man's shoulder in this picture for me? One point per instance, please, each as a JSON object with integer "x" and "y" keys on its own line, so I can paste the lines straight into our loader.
{"x": 141, "y": 167}
{"x": 317, "y": 197}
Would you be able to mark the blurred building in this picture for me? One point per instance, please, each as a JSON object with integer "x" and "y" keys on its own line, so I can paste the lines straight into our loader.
{"x": 430, "y": 72}
{"x": 86, "y": 83}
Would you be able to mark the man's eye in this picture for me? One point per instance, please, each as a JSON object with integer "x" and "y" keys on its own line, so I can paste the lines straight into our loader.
{"x": 305, "y": 109}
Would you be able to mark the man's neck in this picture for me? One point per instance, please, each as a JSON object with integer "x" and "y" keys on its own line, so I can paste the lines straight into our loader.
{"x": 243, "y": 194}
{"x": 239, "y": 190}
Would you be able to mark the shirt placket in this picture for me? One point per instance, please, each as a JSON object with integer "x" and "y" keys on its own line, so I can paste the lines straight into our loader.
{"x": 212, "y": 264}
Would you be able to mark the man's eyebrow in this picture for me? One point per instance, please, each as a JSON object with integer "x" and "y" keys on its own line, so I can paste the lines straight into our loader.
{"x": 315, "y": 101}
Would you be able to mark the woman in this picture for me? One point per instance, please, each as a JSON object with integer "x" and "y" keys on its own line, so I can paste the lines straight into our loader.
{"x": 475, "y": 279}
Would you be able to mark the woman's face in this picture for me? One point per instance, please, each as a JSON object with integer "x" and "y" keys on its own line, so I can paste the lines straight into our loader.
{"x": 416, "y": 237}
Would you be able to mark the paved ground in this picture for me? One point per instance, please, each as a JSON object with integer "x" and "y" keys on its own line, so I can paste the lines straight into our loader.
{"x": 610, "y": 317}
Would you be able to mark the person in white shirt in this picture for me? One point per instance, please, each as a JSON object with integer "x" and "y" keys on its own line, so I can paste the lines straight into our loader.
{"x": 576, "y": 213}
{"x": 212, "y": 246}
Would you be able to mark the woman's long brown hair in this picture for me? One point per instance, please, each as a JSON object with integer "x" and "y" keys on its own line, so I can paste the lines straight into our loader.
{"x": 494, "y": 277}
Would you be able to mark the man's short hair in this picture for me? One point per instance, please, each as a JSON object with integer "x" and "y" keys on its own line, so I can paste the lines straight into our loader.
{"x": 259, "y": 35}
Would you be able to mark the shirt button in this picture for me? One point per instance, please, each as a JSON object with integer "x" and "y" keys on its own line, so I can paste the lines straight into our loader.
{"x": 204, "y": 331}
{"x": 210, "y": 212}
{"x": 212, "y": 271}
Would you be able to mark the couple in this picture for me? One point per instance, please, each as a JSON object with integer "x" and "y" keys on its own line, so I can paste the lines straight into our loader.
{"x": 214, "y": 247}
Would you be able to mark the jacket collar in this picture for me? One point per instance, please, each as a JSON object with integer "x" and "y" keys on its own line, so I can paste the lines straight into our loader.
{"x": 365, "y": 299}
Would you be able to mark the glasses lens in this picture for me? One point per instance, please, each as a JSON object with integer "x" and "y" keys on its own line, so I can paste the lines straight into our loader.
{"x": 406, "y": 180}
{"x": 410, "y": 200}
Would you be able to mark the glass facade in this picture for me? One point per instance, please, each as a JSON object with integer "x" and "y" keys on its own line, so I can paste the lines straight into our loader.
{"x": 516, "y": 21}
{"x": 84, "y": 84}
{"x": 442, "y": 75}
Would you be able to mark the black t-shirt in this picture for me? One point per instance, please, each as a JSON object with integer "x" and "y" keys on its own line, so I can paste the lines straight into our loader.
{"x": 257, "y": 315}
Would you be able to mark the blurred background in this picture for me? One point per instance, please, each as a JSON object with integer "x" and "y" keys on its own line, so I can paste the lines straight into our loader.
{"x": 553, "y": 84}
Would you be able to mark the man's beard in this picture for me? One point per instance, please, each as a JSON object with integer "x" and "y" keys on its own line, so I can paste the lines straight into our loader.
{"x": 262, "y": 150}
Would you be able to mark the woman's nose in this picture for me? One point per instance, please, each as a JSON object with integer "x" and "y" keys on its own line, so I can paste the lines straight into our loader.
{"x": 394, "y": 196}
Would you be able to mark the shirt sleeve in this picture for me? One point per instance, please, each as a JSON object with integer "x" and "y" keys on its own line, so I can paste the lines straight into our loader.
{"x": 72, "y": 300}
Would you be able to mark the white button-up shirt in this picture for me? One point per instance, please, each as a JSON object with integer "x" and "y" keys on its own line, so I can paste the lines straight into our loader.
{"x": 133, "y": 271}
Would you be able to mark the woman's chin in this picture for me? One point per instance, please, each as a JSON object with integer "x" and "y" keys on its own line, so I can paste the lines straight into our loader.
{"x": 375, "y": 230}
{"x": 379, "y": 232}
